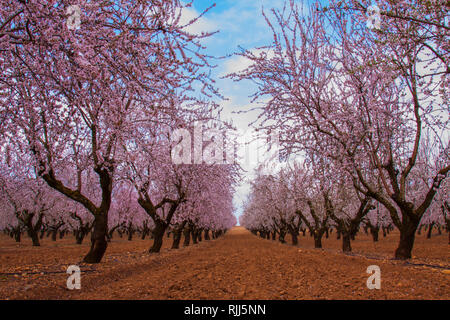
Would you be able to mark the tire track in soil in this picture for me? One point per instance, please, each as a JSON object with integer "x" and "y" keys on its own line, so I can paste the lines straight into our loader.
{"x": 240, "y": 265}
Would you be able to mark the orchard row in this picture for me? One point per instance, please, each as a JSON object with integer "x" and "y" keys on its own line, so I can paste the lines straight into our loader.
{"x": 363, "y": 116}
{"x": 294, "y": 203}
{"x": 87, "y": 113}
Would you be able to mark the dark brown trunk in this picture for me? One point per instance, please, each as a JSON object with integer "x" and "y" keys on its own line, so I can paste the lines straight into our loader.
{"x": 18, "y": 234}
{"x": 34, "y": 236}
{"x": 430, "y": 230}
{"x": 374, "y": 232}
{"x": 419, "y": 230}
{"x": 177, "y": 236}
{"x": 187, "y": 236}
{"x": 407, "y": 236}
{"x": 318, "y": 239}
{"x": 194, "y": 236}
{"x": 294, "y": 238}
{"x": 98, "y": 239}
{"x": 79, "y": 236}
{"x": 158, "y": 235}
{"x": 54, "y": 234}
{"x": 346, "y": 243}
{"x": 207, "y": 234}
{"x": 282, "y": 236}
{"x": 176, "y": 239}
{"x": 447, "y": 221}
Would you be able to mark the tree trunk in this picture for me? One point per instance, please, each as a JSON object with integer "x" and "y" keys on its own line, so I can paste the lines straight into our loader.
{"x": 419, "y": 231}
{"x": 33, "y": 235}
{"x": 158, "y": 234}
{"x": 294, "y": 238}
{"x": 98, "y": 239}
{"x": 207, "y": 234}
{"x": 79, "y": 236}
{"x": 430, "y": 230}
{"x": 374, "y": 232}
{"x": 388, "y": 230}
{"x": 447, "y": 222}
{"x": 318, "y": 239}
{"x": 187, "y": 236}
{"x": 177, "y": 235}
{"x": 54, "y": 234}
{"x": 176, "y": 239}
{"x": 346, "y": 244}
{"x": 407, "y": 236}
{"x": 194, "y": 236}
{"x": 18, "y": 234}
{"x": 282, "y": 236}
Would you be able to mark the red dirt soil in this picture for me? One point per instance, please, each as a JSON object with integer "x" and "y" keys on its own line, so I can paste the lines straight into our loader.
{"x": 238, "y": 265}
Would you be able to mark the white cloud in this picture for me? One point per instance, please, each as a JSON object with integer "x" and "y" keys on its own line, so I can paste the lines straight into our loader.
{"x": 239, "y": 63}
{"x": 203, "y": 24}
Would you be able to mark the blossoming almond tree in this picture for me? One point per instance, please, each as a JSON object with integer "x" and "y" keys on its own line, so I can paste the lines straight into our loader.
{"x": 69, "y": 94}
{"x": 359, "y": 98}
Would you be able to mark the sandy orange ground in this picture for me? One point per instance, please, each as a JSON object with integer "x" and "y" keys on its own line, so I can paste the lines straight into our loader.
{"x": 238, "y": 265}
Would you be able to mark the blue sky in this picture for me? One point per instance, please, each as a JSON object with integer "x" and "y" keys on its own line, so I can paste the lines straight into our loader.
{"x": 240, "y": 24}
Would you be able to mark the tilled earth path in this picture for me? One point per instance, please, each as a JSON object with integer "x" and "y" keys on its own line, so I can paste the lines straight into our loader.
{"x": 240, "y": 265}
